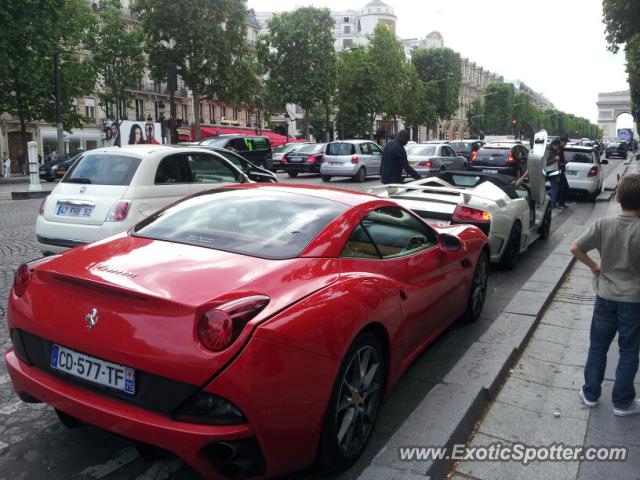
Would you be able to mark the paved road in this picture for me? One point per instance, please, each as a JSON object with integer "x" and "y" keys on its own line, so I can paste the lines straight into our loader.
{"x": 34, "y": 445}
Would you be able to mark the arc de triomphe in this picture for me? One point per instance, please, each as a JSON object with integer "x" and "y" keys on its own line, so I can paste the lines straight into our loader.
{"x": 610, "y": 106}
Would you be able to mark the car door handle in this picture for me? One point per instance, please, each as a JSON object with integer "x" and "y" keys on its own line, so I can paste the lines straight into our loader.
{"x": 403, "y": 294}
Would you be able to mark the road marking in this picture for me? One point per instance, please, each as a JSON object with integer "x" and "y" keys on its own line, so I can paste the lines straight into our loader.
{"x": 123, "y": 457}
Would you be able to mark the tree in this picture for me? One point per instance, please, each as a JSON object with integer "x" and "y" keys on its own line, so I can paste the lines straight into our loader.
{"x": 116, "y": 57}
{"x": 476, "y": 118}
{"x": 299, "y": 57}
{"x": 26, "y": 59}
{"x": 440, "y": 69}
{"x": 206, "y": 39}
{"x": 414, "y": 108}
{"x": 621, "y": 21}
{"x": 498, "y": 108}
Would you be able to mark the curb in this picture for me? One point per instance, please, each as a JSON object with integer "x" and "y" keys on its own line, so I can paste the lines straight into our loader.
{"x": 448, "y": 413}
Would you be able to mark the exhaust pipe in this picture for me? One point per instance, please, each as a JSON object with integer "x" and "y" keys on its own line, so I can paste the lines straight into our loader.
{"x": 236, "y": 469}
{"x": 223, "y": 451}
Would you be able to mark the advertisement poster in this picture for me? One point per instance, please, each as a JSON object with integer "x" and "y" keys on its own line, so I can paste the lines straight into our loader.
{"x": 128, "y": 132}
{"x": 625, "y": 135}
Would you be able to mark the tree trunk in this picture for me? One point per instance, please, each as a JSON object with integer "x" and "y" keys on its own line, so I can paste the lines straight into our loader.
{"x": 372, "y": 119}
{"x": 307, "y": 123}
{"x": 196, "y": 113}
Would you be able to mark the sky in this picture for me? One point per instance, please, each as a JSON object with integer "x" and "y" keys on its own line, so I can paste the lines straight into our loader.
{"x": 556, "y": 47}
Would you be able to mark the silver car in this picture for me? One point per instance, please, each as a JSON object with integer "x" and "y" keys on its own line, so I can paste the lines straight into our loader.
{"x": 431, "y": 158}
{"x": 351, "y": 158}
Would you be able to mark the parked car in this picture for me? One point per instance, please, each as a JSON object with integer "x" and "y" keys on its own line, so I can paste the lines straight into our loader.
{"x": 465, "y": 148}
{"x": 255, "y": 148}
{"x": 584, "y": 170}
{"x": 306, "y": 159}
{"x": 505, "y": 158}
{"x": 109, "y": 190}
{"x": 433, "y": 157}
{"x": 618, "y": 149}
{"x": 52, "y": 171}
{"x": 351, "y": 158}
{"x": 255, "y": 173}
{"x": 247, "y": 330}
{"x": 279, "y": 152}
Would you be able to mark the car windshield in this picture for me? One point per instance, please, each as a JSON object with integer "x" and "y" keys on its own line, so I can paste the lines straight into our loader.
{"x": 341, "y": 149}
{"x": 578, "y": 157}
{"x": 103, "y": 169}
{"x": 312, "y": 148}
{"x": 288, "y": 147}
{"x": 258, "y": 223}
{"x": 233, "y": 158}
{"x": 421, "y": 150}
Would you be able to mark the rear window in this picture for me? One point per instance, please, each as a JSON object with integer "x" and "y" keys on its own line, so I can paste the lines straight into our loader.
{"x": 493, "y": 152}
{"x": 460, "y": 145}
{"x": 341, "y": 149}
{"x": 578, "y": 157}
{"x": 258, "y": 223}
{"x": 103, "y": 169}
{"x": 260, "y": 143}
{"x": 417, "y": 150}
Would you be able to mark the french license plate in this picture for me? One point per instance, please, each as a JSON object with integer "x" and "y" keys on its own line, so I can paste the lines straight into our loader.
{"x": 490, "y": 170}
{"x": 296, "y": 159}
{"x": 93, "y": 369}
{"x": 572, "y": 172}
{"x": 335, "y": 163}
{"x": 65, "y": 210}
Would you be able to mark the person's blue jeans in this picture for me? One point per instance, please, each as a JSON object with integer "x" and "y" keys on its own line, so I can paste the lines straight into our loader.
{"x": 554, "y": 182}
{"x": 611, "y": 317}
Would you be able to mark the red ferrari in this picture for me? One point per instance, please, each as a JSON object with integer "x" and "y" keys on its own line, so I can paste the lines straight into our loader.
{"x": 251, "y": 330}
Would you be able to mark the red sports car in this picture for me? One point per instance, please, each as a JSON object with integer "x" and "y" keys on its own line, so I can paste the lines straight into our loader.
{"x": 250, "y": 329}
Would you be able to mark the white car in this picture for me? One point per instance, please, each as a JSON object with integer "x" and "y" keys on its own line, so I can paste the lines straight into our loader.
{"x": 351, "y": 158}
{"x": 433, "y": 157}
{"x": 512, "y": 218}
{"x": 584, "y": 170}
{"x": 111, "y": 189}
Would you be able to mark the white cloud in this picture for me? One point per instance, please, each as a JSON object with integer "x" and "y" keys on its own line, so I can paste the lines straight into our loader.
{"x": 557, "y": 47}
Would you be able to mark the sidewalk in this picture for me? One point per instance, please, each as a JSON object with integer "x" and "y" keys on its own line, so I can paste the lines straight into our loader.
{"x": 538, "y": 404}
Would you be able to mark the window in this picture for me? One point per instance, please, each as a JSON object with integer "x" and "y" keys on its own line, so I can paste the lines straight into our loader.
{"x": 210, "y": 169}
{"x": 360, "y": 245}
{"x": 347, "y": 42}
{"x": 90, "y": 108}
{"x": 346, "y": 19}
{"x": 212, "y": 118}
{"x": 235, "y": 114}
{"x": 375, "y": 149}
{"x": 396, "y": 232}
{"x": 347, "y": 29}
{"x": 359, "y": 26}
{"x": 173, "y": 169}
{"x": 103, "y": 169}
{"x": 139, "y": 109}
{"x": 341, "y": 149}
{"x": 365, "y": 149}
{"x": 223, "y": 111}
{"x": 185, "y": 113}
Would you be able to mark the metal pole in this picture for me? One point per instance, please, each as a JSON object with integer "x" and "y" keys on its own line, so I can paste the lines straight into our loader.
{"x": 58, "y": 88}
{"x": 172, "y": 121}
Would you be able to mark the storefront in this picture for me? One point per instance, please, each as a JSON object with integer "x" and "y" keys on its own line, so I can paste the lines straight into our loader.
{"x": 86, "y": 139}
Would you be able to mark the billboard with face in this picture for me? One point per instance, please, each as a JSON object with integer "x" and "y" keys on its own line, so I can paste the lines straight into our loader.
{"x": 127, "y": 132}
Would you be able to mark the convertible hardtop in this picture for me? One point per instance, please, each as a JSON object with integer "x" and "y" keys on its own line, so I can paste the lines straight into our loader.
{"x": 466, "y": 179}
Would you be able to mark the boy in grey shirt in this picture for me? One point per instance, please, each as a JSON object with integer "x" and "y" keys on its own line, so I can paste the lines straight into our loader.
{"x": 617, "y": 306}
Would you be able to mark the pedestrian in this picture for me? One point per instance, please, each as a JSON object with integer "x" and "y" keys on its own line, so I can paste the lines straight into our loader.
{"x": 22, "y": 161}
{"x": 394, "y": 160}
{"x": 563, "y": 191}
{"x": 552, "y": 165}
{"x": 6, "y": 165}
{"x": 617, "y": 305}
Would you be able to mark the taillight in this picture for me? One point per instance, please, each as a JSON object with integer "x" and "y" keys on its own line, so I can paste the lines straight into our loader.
{"x": 470, "y": 215}
{"x": 21, "y": 279}
{"x": 474, "y": 155}
{"x": 284, "y": 159}
{"x": 427, "y": 164}
{"x": 511, "y": 160}
{"x": 354, "y": 159}
{"x": 593, "y": 172}
{"x": 119, "y": 211}
{"x": 41, "y": 207}
{"x": 314, "y": 159}
{"x": 219, "y": 327}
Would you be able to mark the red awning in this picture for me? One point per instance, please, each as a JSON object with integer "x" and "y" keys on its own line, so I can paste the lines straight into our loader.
{"x": 275, "y": 138}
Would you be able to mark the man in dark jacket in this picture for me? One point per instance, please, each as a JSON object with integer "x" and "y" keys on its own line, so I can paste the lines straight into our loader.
{"x": 394, "y": 160}
{"x": 563, "y": 194}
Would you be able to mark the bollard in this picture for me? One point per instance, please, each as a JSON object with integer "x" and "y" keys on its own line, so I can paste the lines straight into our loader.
{"x": 34, "y": 176}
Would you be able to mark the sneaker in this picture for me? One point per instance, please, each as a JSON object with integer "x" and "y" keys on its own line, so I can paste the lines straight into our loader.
{"x": 632, "y": 409}
{"x": 588, "y": 403}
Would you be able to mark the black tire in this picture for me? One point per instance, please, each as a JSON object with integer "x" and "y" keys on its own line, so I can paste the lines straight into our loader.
{"x": 360, "y": 176}
{"x": 326, "y": 178}
{"x": 545, "y": 228}
{"x": 292, "y": 173}
{"x": 347, "y": 430}
{"x": 478, "y": 289}
{"x": 512, "y": 250}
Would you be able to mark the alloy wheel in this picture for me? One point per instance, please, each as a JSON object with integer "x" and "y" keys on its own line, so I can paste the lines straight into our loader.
{"x": 479, "y": 285}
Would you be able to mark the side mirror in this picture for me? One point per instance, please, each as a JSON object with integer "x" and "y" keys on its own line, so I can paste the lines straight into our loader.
{"x": 449, "y": 243}
{"x": 604, "y": 161}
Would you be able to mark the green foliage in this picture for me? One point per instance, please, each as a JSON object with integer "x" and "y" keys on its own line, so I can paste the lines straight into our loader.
{"x": 205, "y": 38}
{"x": 498, "y": 108}
{"x": 299, "y": 57}
{"x": 414, "y": 108}
{"x": 117, "y": 57}
{"x": 387, "y": 57}
{"x": 440, "y": 70}
{"x": 476, "y": 118}
{"x": 632, "y": 52}
{"x": 32, "y": 30}
{"x": 621, "y": 21}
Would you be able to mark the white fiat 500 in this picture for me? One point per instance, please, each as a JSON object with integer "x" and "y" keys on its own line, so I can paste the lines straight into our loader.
{"x": 109, "y": 190}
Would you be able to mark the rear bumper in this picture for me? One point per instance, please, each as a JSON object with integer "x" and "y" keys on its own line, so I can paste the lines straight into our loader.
{"x": 56, "y": 237}
{"x": 300, "y": 167}
{"x": 185, "y": 440}
{"x": 340, "y": 170}
{"x": 589, "y": 185}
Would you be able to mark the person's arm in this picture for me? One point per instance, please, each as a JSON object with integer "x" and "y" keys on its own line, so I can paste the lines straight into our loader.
{"x": 585, "y": 258}
{"x": 521, "y": 180}
{"x": 404, "y": 161}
